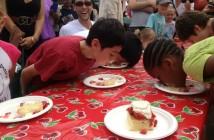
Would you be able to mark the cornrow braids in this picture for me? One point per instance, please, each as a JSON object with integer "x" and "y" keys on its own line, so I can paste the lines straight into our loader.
{"x": 157, "y": 50}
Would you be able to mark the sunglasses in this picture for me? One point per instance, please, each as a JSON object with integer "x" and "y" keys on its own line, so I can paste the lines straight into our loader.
{"x": 80, "y": 3}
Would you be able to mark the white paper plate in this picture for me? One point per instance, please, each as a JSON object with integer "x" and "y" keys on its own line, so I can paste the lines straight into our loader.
{"x": 196, "y": 89}
{"x": 13, "y": 105}
{"x": 96, "y": 78}
{"x": 116, "y": 121}
{"x": 123, "y": 65}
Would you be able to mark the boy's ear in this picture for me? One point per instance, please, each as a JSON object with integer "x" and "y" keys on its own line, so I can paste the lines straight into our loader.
{"x": 95, "y": 44}
{"x": 197, "y": 29}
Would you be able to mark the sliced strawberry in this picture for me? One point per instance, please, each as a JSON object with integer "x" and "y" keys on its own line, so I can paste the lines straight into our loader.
{"x": 143, "y": 131}
{"x": 130, "y": 110}
{"x": 155, "y": 123}
{"x": 92, "y": 82}
{"x": 100, "y": 78}
{"x": 45, "y": 104}
{"x": 139, "y": 116}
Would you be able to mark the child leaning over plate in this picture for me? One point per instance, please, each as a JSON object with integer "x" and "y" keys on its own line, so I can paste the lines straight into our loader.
{"x": 164, "y": 60}
{"x": 62, "y": 58}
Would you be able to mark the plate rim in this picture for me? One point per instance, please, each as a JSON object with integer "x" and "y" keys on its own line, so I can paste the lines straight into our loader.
{"x": 156, "y": 84}
{"x": 103, "y": 87}
{"x": 32, "y": 116}
{"x": 115, "y": 67}
{"x": 173, "y": 119}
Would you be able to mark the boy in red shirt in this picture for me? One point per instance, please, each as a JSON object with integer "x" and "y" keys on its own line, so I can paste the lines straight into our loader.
{"x": 65, "y": 57}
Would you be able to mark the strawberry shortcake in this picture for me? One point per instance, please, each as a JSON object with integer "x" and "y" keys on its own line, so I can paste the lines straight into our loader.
{"x": 140, "y": 117}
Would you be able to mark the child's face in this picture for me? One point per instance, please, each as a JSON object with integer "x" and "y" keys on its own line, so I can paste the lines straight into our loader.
{"x": 162, "y": 8}
{"x": 107, "y": 55}
{"x": 201, "y": 35}
{"x": 170, "y": 73}
{"x": 119, "y": 59}
{"x": 169, "y": 15}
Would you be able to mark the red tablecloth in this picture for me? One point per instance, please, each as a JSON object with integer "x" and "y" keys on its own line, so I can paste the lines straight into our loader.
{"x": 77, "y": 106}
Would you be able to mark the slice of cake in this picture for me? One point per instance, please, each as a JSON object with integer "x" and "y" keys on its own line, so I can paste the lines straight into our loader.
{"x": 141, "y": 117}
{"x": 32, "y": 108}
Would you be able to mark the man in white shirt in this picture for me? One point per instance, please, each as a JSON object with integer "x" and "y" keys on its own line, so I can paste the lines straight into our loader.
{"x": 83, "y": 9}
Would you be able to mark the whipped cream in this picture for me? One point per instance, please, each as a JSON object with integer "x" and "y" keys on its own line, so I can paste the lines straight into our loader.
{"x": 142, "y": 107}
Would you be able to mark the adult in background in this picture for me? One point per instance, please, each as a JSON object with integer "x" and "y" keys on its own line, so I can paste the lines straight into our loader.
{"x": 83, "y": 9}
{"x": 28, "y": 16}
{"x": 112, "y": 9}
{"x": 141, "y": 9}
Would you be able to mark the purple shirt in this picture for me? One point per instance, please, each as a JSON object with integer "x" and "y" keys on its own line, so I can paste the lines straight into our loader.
{"x": 48, "y": 30}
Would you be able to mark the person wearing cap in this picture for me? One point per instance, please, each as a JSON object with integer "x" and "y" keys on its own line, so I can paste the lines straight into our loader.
{"x": 156, "y": 21}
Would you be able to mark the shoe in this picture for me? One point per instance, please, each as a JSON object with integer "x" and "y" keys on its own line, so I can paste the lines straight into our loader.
{"x": 16, "y": 36}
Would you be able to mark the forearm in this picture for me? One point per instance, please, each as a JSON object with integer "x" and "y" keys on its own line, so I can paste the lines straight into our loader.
{"x": 9, "y": 23}
{"x": 39, "y": 22}
{"x": 133, "y": 5}
{"x": 27, "y": 76}
{"x": 25, "y": 81}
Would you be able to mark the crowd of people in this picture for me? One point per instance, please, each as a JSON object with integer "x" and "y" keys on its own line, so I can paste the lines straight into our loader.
{"x": 44, "y": 41}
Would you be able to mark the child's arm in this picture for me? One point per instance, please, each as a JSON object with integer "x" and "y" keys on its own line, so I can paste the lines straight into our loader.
{"x": 209, "y": 67}
{"x": 27, "y": 75}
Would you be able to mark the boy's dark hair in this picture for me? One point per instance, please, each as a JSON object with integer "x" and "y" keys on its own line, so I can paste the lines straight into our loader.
{"x": 132, "y": 49}
{"x": 185, "y": 23}
{"x": 109, "y": 31}
{"x": 157, "y": 50}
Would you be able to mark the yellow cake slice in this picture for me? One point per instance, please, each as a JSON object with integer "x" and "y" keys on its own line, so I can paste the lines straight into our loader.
{"x": 30, "y": 108}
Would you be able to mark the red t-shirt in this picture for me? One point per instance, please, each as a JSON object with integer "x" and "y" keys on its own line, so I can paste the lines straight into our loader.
{"x": 60, "y": 59}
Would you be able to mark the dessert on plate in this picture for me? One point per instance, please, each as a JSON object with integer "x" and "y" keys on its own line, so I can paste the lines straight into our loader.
{"x": 140, "y": 117}
{"x": 106, "y": 82}
{"x": 31, "y": 108}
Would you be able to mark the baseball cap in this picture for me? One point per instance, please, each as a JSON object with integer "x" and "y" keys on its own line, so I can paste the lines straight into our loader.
{"x": 163, "y": 1}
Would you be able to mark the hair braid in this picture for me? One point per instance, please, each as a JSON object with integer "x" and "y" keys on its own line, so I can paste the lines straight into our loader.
{"x": 157, "y": 50}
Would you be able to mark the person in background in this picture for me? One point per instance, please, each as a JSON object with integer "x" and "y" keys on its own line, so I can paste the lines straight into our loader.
{"x": 141, "y": 9}
{"x": 29, "y": 17}
{"x": 15, "y": 33}
{"x": 170, "y": 23}
{"x": 48, "y": 30}
{"x": 9, "y": 55}
{"x": 194, "y": 26}
{"x": 112, "y": 9}
{"x": 83, "y": 9}
{"x": 62, "y": 58}
{"x": 182, "y": 6}
{"x": 95, "y": 12}
{"x": 147, "y": 35}
{"x": 156, "y": 21}
{"x": 67, "y": 13}
{"x": 55, "y": 16}
{"x": 209, "y": 8}
{"x": 163, "y": 60}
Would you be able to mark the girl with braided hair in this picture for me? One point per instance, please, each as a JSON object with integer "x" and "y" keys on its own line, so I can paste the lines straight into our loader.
{"x": 163, "y": 60}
